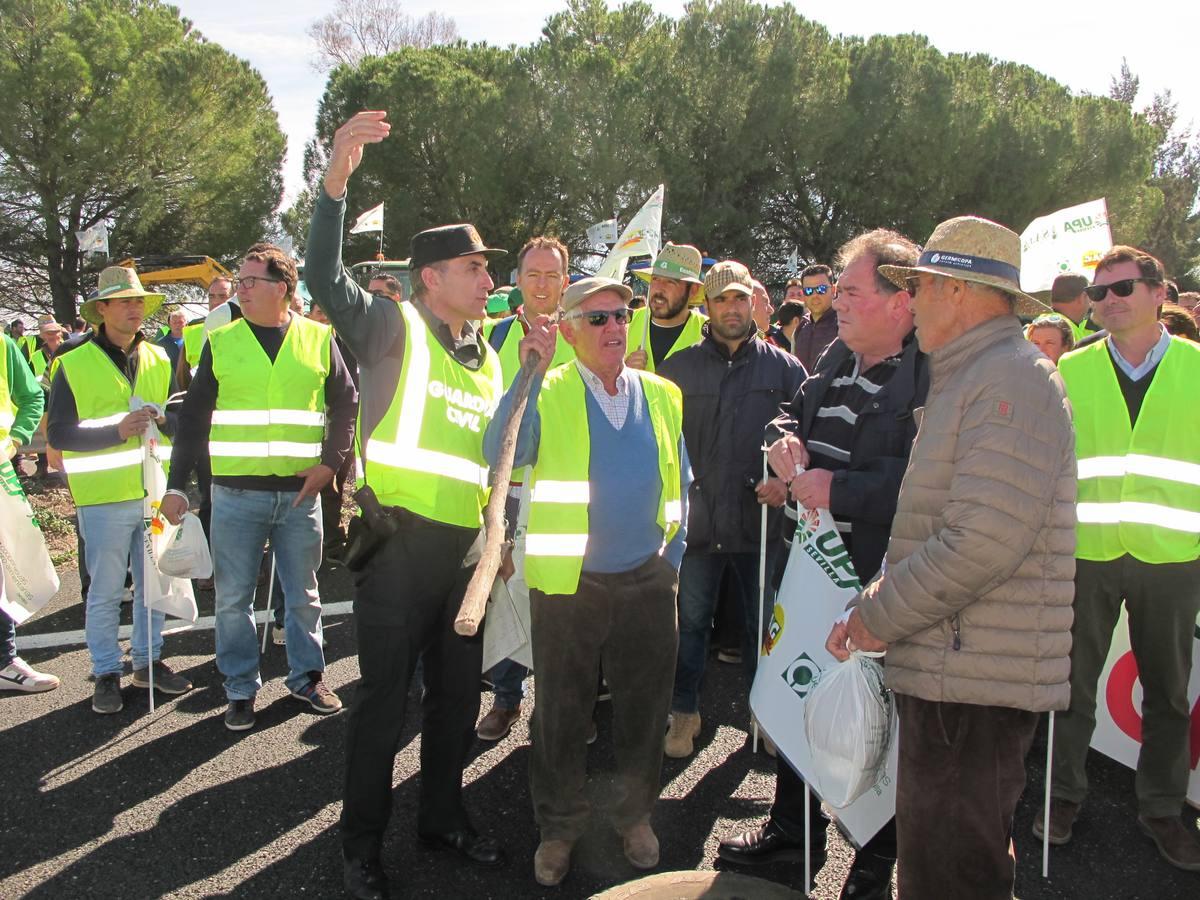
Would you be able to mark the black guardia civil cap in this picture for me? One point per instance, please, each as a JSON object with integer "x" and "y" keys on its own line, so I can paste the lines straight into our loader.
{"x": 447, "y": 242}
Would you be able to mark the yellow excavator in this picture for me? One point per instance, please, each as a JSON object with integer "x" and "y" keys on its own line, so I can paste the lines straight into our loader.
{"x": 197, "y": 270}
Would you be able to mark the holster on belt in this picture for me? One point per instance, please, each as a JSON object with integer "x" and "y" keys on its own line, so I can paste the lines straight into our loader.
{"x": 368, "y": 531}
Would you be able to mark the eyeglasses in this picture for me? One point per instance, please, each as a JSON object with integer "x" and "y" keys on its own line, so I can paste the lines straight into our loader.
{"x": 1123, "y": 288}
{"x": 911, "y": 285}
{"x": 599, "y": 318}
{"x": 249, "y": 281}
{"x": 821, "y": 289}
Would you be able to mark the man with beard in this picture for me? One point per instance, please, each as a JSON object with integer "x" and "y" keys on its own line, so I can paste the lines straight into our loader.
{"x": 672, "y": 325}
{"x": 733, "y": 382}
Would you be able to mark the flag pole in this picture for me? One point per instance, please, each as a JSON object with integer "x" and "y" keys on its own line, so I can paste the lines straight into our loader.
{"x": 762, "y": 590}
{"x": 149, "y": 569}
{"x": 270, "y": 594}
{"x": 1046, "y": 810}
{"x": 807, "y": 838}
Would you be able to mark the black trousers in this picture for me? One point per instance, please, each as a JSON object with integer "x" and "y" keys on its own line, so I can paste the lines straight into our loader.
{"x": 787, "y": 811}
{"x": 406, "y": 603}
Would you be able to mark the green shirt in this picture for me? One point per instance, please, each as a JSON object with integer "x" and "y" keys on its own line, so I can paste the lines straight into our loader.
{"x": 27, "y": 395}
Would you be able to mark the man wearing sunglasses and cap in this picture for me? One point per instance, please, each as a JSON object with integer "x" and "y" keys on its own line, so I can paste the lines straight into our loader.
{"x": 667, "y": 323}
{"x": 973, "y": 603}
{"x": 606, "y": 534}
{"x": 429, "y": 384}
{"x": 1138, "y": 544}
{"x": 91, "y": 422}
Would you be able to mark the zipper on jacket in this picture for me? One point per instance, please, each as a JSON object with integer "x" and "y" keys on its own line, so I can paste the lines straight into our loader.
{"x": 957, "y": 635}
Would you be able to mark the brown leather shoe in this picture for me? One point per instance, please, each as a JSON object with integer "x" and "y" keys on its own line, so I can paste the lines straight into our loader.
{"x": 1062, "y": 817}
{"x": 641, "y": 845}
{"x": 552, "y": 862}
{"x": 497, "y": 723}
{"x": 1178, "y": 844}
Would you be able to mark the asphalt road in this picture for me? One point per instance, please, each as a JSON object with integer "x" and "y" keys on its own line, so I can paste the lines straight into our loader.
{"x": 172, "y": 804}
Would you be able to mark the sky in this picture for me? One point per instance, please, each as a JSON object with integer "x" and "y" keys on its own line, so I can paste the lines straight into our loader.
{"x": 1080, "y": 44}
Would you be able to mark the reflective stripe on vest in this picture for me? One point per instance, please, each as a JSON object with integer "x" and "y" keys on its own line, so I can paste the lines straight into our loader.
{"x": 102, "y": 399}
{"x": 1139, "y": 486}
{"x": 557, "y": 536}
{"x": 426, "y": 453}
{"x": 638, "y": 335}
{"x": 284, "y": 437}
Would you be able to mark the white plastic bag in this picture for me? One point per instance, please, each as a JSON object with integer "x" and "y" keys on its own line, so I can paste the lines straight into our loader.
{"x": 185, "y": 553}
{"x": 848, "y": 720}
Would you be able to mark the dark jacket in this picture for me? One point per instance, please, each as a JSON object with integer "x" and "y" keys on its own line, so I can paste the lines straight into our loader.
{"x": 865, "y": 492}
{"x": 726, "y": 404}
{"x": 811, "y": 338}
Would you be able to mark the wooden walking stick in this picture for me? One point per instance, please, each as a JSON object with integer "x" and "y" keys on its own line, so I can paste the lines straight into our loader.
{"x": 474, "y": 603}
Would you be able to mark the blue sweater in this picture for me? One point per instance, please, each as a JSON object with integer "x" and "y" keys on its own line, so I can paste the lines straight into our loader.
{"x": 623, "y": 530}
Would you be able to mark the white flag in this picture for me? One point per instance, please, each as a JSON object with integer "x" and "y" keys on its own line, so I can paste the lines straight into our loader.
{"x": 1070, "y": 240}
{"x": 794, "y": 262}
{"x": 27, "y": 576}
{"x": 641, "y": 237}
{"x": 603, "y": 233}
{"x": 94, "y": 239}
{"x": 371, "y": 220}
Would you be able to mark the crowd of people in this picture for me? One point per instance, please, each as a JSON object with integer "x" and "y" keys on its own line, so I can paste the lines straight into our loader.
{"x": 1006, "y": 473}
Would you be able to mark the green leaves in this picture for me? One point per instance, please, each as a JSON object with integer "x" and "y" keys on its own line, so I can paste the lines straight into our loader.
{"x": 122, "y": 114}
{"x": 769, "y": 133}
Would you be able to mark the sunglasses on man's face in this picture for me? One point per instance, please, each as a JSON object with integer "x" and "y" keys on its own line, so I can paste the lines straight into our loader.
{"x": 1123, "y": 288}
{"x": 821, "y": 289}
{"x": 599, "y": 318}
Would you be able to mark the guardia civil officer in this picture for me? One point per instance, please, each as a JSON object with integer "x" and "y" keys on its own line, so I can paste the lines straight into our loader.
{"x": 429, "y": 383}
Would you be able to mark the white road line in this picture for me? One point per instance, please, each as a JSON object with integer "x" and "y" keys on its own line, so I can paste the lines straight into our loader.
{"x": 204, "y": 623}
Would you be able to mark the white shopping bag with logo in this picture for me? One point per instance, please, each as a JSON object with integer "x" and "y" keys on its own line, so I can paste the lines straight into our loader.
{"x": 27, "y": 576}
{"x": 818, "y": 583}
{"x": 173, "y": 596}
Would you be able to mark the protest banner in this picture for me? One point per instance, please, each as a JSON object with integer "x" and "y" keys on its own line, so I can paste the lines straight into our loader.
{"x": 641, "y": 237}
{"x": 1118, "y": 733}
{"x": 818, "y": 582}
{"x": 1070, "y": 240}
{"x": 27, "y": 576}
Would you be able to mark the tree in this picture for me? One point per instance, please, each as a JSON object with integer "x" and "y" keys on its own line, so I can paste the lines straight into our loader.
{"x": 360, "y": 28}
{"x": 119, "y": 112}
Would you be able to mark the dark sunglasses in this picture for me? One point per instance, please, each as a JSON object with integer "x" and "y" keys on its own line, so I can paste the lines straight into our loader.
{"x": 599, "y": 318}
{"x": 819, "y": 289}
{"x": 1123, "y": 288}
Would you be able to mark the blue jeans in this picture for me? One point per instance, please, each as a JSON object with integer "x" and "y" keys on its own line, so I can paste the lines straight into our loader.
{"x": 699, "y": 586}
{"x": 8, "y": 639}
{"x": 112, "y": 534}
{"x": 508, "y": 680}
{"x": 242, "y": 523}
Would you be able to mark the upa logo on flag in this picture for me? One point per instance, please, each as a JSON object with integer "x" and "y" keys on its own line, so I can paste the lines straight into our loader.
{"x": 806, "y": 527}
{"x": 774, "y": 630}
{"x": 801, "y": 675}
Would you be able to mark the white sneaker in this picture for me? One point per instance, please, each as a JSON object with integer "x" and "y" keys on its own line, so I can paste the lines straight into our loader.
{"x": 18, "y": 675}
{"x": 278, "y": 635}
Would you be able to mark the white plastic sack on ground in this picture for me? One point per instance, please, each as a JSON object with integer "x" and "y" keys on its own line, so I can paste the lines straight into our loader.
{"x": 184, "y": 552}
{"x": 848, "y": 721}
{"x": 27, "y": 576}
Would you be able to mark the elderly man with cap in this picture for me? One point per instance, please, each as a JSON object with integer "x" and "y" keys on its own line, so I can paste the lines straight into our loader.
{"x": 973, "y": 604}
{"x": 1068, "y": 297}
{"x": 733, "y": 383}
{"x": 667, "y": 323}
{"x": 606, "y": 533}
{"x": 429, "y": 384}
{"x": 49, "y": 341}
{"x": 105, "y": 393}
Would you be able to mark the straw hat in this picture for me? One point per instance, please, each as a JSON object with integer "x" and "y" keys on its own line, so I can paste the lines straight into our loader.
{"x": 117, "y": 282}
{"x": 976, "y": 250}
{"x": 48, "y": 323}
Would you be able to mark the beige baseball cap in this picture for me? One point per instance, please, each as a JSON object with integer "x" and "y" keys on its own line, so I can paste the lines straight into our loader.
{"x": 587, "y": 287}
{"x": 728, "y": 275}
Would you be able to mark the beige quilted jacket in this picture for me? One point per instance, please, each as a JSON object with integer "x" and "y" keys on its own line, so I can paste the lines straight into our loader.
{"x": 975, "y": 597}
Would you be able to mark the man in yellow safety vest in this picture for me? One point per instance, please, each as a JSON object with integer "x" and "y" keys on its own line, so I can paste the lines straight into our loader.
{"x": 1138, "y": 544}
